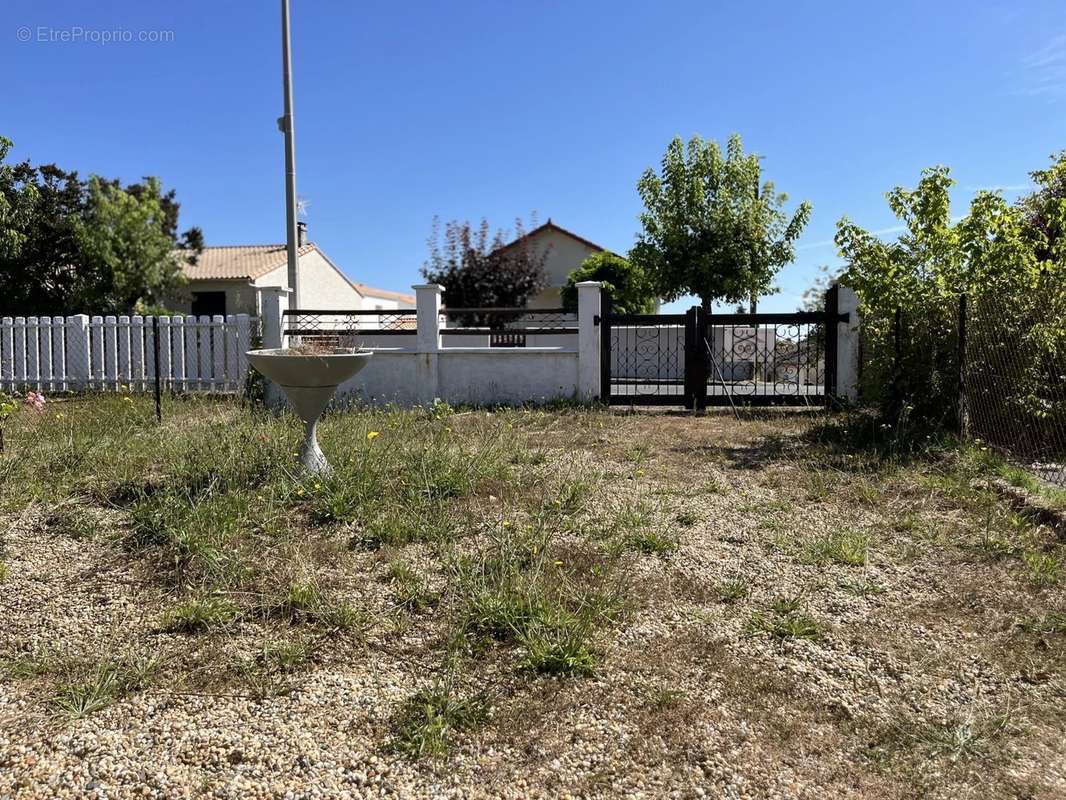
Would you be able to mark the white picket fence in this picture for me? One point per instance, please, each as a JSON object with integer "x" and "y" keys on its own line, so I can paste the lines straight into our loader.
{"x": 78, "y": 353}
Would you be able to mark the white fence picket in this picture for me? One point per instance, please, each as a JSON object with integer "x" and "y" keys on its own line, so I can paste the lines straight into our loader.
{"x": 110, "y": 353}
{"x": 148, "y": 378}
{"x": 96, "y": 352}
{"x": 164, "y": 352}
{"x": 80, "y": 352}
{"x": 77, "y": 333}
{"x": 59, "y": 354}
{"x": 7, "y": 353}
{"x": 244, "y": 344}
{"x": 20, "y": 350}
{"x": 123, "y": 333}
{"x": 44, "y": 352}
{"x": 33, "y": 361}
{"x": 177, "y": 343}
{"x": 192, "y": 354}
{"x": 218, "y": 353}
{"x": 231, "y": 352}
{"x": 136, "y": 353}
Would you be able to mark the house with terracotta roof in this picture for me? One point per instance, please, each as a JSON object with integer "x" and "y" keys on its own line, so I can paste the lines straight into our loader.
{"x": 565, "y": 251}
{"x": 227, "y": 279}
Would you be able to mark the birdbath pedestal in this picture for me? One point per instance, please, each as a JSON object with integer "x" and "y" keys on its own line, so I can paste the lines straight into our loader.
{"x": 310, "y": 379}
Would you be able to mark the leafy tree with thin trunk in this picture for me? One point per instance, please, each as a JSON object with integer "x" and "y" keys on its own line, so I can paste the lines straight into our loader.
{"x": 69, "y": 245}
{"x": 711, "y": 226}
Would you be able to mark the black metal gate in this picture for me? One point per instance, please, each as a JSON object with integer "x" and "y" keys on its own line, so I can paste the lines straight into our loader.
{"x": 699, "y": 359}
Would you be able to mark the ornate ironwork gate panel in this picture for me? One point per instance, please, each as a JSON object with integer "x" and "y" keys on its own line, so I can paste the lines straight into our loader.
{"x": 766, "y": 359}
{"x": 698, "y": 359}
{"x": 643, "y": 358}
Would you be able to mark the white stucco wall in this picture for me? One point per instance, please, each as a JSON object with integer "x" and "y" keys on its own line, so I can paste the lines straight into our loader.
{"x": 474, "y": 376}
{"x": 321, "y": 284}
{"x": 506, "y": 376}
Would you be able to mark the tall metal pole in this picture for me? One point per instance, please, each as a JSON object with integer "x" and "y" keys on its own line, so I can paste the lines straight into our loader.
{"x": 286, "y": 125}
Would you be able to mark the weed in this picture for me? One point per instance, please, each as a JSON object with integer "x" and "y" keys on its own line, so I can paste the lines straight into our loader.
{"x": 285, "y": 656}
{"x": 997, "y": 547}
{"x": 786, "y": 605}
{"x": 5, "y": 572}
{"x": 78, "y": 700}
{"x": 1052, "y": 623}
{"x": 342, "y": 617}
{"x": 848, "y": 547}
{"x": 107, "y": 682}
{"x": 731, "y": 591}
{"x": 651, "y": 541}
{"x": 201, "y": 614}
{"x": 558, "y": 645}
{"x": 687, "y": 518}
{"x": 427, "y": 721}
{"x": 1044, "y": 569}
{"x": 301, "y": 600}
{"x": 662, "y": 698}
{"x": 788, "y": 626}
{"x": 411, "y": 592}
{"x": 861, "y": 587}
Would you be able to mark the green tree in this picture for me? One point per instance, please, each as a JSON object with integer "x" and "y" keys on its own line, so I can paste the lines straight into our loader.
{"x": 988, "y": 254}
{"x": 1045, "y": 211}
{"x": 711, "y": 226}
{"x": 124, "y": 244}
{"x": 479, "y": 270}
{"x": 630, "y": 290}
{"x": 69, "y": 245}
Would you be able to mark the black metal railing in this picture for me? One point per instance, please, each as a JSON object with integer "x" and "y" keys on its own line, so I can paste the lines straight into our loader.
{"x": 508, "y": 327}
{"x": 346, "y": 327}
{"x": 757, "y": 356}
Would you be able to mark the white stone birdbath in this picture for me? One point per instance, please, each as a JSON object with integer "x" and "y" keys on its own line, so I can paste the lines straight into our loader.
{"x": 310, "y": 380}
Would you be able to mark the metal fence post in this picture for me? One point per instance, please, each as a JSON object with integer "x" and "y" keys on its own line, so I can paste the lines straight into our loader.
{"x": 832, "y": 314}
{"x": 964, "y": 421}
{"x": 606, "y": 309}
{"x": 158, "y": 371}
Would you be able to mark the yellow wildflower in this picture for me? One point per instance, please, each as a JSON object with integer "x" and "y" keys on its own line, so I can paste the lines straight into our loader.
{"x": 372, "y": 435}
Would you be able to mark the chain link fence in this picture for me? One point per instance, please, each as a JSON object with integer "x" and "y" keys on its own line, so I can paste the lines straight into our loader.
{"x": 1014, "y": 382}
{"x": 980, "y": 366}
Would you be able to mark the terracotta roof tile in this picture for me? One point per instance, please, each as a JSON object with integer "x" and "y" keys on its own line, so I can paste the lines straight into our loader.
{"x": 240, "y": 262}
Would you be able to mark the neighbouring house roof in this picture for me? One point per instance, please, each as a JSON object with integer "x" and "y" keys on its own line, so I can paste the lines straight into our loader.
{"x": 240, "y": 261}
{"x": 551, "y": 226}
{"x": 384, "y": 294}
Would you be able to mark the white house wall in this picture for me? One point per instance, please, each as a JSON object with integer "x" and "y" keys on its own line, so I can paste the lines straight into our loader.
{"x": 565, "y": 254}
{"x": 321, "y": 284}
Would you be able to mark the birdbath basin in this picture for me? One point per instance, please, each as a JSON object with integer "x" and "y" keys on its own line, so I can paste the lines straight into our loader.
{"x": 309, "y": 379}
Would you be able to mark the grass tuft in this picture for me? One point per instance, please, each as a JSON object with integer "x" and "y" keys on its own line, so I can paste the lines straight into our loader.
{"x": 426, "y": 723}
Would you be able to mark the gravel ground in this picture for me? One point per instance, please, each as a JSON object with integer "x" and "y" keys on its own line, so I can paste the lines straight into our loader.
{"x": 924, "y": 682}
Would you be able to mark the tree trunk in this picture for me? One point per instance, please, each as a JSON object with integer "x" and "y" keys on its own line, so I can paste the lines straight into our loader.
{"x": 706, "y": 303}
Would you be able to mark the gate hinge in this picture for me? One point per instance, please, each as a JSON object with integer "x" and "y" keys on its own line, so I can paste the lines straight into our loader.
{"x": 596, "y": 319}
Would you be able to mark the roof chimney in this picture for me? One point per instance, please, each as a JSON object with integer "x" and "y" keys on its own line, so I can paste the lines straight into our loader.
{"x": 301, "y": 234}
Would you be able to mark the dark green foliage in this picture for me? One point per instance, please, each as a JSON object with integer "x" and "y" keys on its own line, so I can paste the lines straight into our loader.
{"x": 627, "y": 283}
{"x": 71, "y": 245}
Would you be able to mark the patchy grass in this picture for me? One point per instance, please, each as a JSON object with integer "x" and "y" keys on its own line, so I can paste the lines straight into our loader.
{"x": 427, "y": 721}
{"x": 574, "y": 586}
{"x": 850, "y": 548}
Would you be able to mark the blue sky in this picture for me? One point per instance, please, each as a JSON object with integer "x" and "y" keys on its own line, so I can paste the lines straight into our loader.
{"x": 409, "y": 110}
